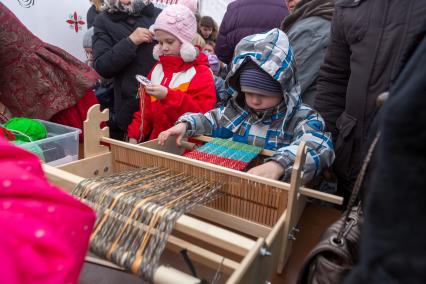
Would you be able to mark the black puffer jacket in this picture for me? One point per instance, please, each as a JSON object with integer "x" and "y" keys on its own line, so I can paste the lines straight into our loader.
{"x": 393, "y": 247}
{"x": 370, "y": 43}
{"x": 115, "y": 56}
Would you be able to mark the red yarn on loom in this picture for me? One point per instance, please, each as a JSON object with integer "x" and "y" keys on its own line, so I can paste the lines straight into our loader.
{"x": 220, "y": 161}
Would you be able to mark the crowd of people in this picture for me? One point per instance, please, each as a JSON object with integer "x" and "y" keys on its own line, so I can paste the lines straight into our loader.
{"x": 282, "y": 72}
{"x": 273, "y": 74}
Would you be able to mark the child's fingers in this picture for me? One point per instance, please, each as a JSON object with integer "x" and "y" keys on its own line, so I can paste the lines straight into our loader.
{"x": 148, "y": 89}
{"x": 162, "y": 138}
{"x": 179, "y": 139}
{"x": 152, "y": 91}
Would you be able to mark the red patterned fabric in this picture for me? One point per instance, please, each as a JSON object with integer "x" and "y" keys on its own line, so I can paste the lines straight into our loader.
{"x": 5, "y": 113}
{"x": 37, "y": 79}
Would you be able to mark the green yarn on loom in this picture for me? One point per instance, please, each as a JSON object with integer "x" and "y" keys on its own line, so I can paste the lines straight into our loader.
{"x": 26, "y": 129}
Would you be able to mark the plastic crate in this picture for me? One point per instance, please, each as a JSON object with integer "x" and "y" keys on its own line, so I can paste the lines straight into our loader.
{"x": 60, "y": 146}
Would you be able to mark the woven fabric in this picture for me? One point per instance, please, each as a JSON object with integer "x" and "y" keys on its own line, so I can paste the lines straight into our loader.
{"x": 136, "y": 212}
{"x": 225, "y": 153}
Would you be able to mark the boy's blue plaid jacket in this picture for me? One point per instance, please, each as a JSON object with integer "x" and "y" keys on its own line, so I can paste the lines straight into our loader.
{"x": 281, "y": 128}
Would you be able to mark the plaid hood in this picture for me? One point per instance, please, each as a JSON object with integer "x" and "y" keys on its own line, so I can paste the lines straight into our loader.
{"x": 281, "y": 128}
{"x": 271, "y": 51}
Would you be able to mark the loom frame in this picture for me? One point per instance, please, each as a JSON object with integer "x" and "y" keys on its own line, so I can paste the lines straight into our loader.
{"x": 261, "y": 249}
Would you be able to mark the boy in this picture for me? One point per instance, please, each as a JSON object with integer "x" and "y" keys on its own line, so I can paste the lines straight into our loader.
{"x": 265, "y": 110}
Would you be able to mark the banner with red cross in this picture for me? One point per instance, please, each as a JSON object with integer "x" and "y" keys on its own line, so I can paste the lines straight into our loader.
{"x": 58, "y": 22}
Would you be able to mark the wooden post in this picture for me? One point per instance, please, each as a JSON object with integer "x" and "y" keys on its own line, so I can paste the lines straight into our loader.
{"x": 93, "y": 131}
{"x": 296, "y": 180}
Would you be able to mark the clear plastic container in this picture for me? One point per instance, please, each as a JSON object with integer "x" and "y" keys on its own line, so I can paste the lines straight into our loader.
{"x": 60, "y": 146}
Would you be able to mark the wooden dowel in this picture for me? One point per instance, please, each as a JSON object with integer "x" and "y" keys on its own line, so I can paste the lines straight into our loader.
{"x": 163, "y": 275}
{"x": 169, "y": 275}
{"x": 101, "y": 262}
{"x": 321, "y": 195}
{"x": 212, "y": 234}
{"x": 234, "y": 222}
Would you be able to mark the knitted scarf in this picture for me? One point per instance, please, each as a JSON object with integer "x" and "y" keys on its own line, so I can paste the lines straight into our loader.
{"x": 134, "y": 8}
{"x": 309, "y": 8}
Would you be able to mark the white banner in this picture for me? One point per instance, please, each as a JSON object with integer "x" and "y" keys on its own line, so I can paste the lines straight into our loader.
{"x": 58, "y": 22}
{"x": 214, "y": 8}
{"x": 63, "y": 22}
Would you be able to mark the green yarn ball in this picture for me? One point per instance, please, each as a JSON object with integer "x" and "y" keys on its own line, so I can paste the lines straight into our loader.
{"x": 26, "y": 129}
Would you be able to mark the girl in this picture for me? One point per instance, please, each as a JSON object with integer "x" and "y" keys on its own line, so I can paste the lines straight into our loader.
{"x": 181, "y": 80}
{"x": 208, "y": 28}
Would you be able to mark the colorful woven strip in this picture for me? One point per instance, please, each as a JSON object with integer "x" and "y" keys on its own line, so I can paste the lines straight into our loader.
{"x": 225, "y": 153}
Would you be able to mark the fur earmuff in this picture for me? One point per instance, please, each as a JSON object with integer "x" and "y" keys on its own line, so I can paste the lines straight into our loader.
{"x": 188, "y": 52}
{"x": 157, "y": 52}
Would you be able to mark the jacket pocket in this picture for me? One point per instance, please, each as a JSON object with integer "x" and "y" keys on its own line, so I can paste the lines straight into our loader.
{"x": 345, "y": 123}
{"x": 344, "y": 143}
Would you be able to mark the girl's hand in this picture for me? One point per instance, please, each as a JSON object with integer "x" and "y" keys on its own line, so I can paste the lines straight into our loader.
{"x": 178, "y": 130}
{"x": 158, "y": 91}
{"x": 271, "y": 170}
{"x": 133, "y": 141}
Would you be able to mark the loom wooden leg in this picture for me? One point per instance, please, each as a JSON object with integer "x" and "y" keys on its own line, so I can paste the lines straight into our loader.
{"x": 292, "y": 211}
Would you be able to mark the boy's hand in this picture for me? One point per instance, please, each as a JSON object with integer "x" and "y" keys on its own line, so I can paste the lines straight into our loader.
{"x": 158, "y": 91}
{"x": 178, "y": 130}
{"x": 271, "y": 170}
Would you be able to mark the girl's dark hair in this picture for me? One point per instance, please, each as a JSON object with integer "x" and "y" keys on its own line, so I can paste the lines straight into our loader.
{"x": 207, "y": 21}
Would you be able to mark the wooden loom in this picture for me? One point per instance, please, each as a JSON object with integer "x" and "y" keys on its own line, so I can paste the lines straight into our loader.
{"x": 248, "y": 232}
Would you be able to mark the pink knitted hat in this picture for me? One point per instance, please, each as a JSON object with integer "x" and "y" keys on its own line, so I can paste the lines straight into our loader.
{"x": 191, "y": 4}
{"x": 179, "y": 21}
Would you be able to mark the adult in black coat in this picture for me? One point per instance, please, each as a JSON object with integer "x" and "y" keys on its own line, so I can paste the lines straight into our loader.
{"x": 122, "y": 48}
{"x": 369, "y": 44}
{"x": 393, "y": 246}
